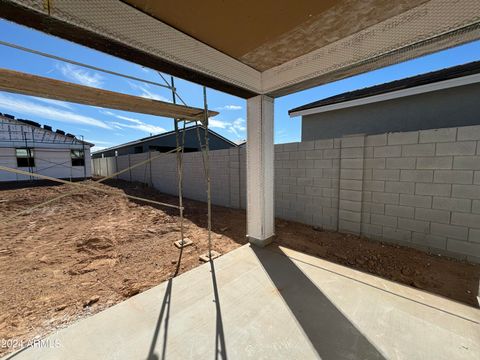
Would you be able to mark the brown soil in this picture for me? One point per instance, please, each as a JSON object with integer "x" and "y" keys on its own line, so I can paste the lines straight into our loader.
{"x": 86, "y": 252}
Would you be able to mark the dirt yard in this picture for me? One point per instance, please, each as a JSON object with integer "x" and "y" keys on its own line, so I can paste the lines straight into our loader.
{"x": 86, "y": 252}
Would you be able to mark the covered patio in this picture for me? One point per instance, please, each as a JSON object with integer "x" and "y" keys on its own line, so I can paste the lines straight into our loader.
{"x": 257, "y": 51}
{"x": 271, "y": 303}
{"x": 262, "y": 301}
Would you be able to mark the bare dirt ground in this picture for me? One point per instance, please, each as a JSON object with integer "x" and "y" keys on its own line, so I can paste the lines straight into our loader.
{"x": 89, "y": 251}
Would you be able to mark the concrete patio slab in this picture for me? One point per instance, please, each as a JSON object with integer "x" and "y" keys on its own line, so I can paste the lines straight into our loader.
{"x": 272, "y": 303}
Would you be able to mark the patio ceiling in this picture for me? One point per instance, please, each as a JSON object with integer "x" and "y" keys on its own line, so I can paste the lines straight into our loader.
{"x": 256, "y": 47}
{"x": 264, "y": 34}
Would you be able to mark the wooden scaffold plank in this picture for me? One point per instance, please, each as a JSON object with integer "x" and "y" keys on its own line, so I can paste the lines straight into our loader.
{"x": 34, "y": 85}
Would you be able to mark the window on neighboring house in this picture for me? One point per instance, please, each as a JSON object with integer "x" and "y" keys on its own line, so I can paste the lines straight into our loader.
{"x": 78, "y": 157}
{"x": 25, "y": 157}
{"x": 138, "y": 149}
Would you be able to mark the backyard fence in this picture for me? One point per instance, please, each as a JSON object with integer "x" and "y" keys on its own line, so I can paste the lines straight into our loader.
{"x": 419, "y": 188}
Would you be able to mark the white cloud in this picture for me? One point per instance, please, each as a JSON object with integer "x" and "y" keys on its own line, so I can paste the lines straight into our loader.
{"x": 144, "y": 91}
{"x": 281, "y": 133}
{"x": 59, "y": 103}
{"x": 107, "y": 112}
{"x": 15, "y": 104}
{"x": 239, "y": 124}
{"x": 137, "y": 124}
{"x": 213, "y": 123}
{"x": 136, "y": 121}
{"x": 97, "y": 148}
{"x": 82, "y": 76}
{"x": 101, "y": 142}
{"x": 236, "y": 127}
{"x": 229, "y": 107}
{"x": 151, "y": 129}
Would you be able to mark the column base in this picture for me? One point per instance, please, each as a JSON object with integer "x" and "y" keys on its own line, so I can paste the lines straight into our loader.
{"x": 260, "y": 243}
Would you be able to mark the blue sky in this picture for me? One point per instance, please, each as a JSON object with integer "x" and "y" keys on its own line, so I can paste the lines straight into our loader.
{"x": 110, "y": 127}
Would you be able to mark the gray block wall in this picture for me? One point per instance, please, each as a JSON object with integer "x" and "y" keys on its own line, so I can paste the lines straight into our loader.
{"x": 420, "y": 188}
{"x": 227, "y": 172}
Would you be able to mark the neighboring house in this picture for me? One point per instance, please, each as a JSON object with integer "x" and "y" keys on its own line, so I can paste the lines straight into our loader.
{"x": 439, "y": 99}
{"x": 166, "y": 142}
{"x": 26, "y": 146}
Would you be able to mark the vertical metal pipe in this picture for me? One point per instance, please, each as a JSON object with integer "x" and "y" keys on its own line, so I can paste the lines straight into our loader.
{"x": 130, "y": 167}
{"x": 150, "y": 167}
{"x": 116, "y": 164}
{"x": 84, "y": 159}
{"x": 179, "y": 162}
{"x": 30, "y": 168}
{"x": 209, "y": 197}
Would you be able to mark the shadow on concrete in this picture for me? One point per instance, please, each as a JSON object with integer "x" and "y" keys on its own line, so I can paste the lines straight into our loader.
{"x": 164, "y": 316}
{"x": 164, "y": 313}
{"x": 331, "y": 334}
{"x": 220, "y": 347}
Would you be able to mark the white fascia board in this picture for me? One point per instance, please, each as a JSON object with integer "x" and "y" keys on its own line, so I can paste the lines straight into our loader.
{"x": 427, "y": 28}
{"x": 121, "y": 22}
{"x": 440, "y": 85}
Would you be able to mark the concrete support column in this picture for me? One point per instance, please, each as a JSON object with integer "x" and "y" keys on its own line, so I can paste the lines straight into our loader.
{"x": 260, "y": 170}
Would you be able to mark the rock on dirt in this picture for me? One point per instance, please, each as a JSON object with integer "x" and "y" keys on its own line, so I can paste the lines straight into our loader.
{"x": 94, "y": 299}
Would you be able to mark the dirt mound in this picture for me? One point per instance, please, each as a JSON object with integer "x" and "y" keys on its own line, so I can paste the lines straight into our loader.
{"x": 86, "y": 252}
{"x": 94, "y": 244}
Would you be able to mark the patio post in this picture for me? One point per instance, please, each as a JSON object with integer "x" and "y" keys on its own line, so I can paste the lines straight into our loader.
{"x": 260, "y": 170}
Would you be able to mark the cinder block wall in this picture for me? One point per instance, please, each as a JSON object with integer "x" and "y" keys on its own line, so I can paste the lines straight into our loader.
{"x": 418, "y": 188}
{"x": 431, "y": 188}
{"x": 227, "y": 173}
{"x": 307, "y": 182}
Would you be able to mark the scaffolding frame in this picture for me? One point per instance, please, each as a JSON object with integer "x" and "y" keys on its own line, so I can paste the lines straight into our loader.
{"x": 179, "y": 150}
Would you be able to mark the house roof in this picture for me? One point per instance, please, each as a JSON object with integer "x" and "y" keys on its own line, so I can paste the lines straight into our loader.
{"x": 444, "y": 78}
{"x": 47, "y": 128}
{"x": 158, "y": 136}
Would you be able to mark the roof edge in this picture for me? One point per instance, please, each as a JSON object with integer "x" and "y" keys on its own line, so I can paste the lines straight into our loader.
{"x": 432, "y": 81}
{"x": 134, "y": 142}
{"x": 20, "y": 122}
{"x": 421, "y": 89}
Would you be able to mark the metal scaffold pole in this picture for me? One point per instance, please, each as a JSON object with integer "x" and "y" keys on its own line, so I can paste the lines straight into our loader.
{"x": 204, "y": 148}
{"x": 180, "y": 142}
{"x": 180, "y": 150}
{"x": 84, "y": 159}
{"x": 29, "y": 84}
{"x": 207, "y": 174}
